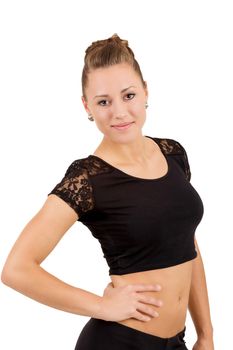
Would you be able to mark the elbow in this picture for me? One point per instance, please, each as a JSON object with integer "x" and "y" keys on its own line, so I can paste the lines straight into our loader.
{"x": 8, "y": 271}
{"x": 8, "y": 276}
{"x": 14, "y": 277}
{"x": 5, "y": 279}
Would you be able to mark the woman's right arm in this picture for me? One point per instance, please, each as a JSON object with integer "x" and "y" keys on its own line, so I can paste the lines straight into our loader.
{"x": 22, "y": 270}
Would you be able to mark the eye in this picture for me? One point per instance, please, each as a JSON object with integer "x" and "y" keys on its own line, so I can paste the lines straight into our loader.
{"x": 130, "y": 94}
{"x": 99, "y": 103}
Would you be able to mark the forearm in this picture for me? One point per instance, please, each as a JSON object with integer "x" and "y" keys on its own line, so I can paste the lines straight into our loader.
{"x": 47, "y": 289}
{"x": 198, "y": 299}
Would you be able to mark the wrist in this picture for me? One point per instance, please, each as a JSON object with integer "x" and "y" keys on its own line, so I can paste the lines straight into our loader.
{"x": 205, "y": 333}
{"x": 99, "y": 311}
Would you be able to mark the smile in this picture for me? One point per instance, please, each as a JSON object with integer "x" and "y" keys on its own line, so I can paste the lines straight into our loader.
{"x": 127, "y": 126}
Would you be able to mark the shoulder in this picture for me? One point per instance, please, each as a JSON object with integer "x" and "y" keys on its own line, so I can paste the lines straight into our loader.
{"x": 175, "y": 148}
{"x": 88, "y": 166}
{"x": 75, "y": 188}
{"x": 76, "y": 167}
{"x": 170, "y": 146}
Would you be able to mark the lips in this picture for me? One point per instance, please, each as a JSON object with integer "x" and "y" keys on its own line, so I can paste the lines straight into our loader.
{"x": 122, "y": 124}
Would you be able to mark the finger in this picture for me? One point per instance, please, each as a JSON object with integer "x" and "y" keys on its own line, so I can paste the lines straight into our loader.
{"x": 139, "y": 316}
{"x": 146, "y": 287}
{"x": 149, "y": 300}
{"x": 147, "y": 310}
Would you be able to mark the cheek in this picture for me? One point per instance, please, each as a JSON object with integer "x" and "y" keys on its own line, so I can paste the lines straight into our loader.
{"x": 101, "y": 115}
{"x": 138, "y": 111}
{"x": 102, "y": 122}
{"x": 138, "y": 106}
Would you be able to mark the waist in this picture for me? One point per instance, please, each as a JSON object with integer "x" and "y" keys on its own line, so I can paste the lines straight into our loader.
{"x": 175, "y": 282}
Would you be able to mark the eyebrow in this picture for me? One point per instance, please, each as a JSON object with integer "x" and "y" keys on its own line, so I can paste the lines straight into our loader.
{"x": 108, "y": 95}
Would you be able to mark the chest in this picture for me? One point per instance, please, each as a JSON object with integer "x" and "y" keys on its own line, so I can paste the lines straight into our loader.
{"x": 155, "y": 168}
{"x": 131, "y": 209}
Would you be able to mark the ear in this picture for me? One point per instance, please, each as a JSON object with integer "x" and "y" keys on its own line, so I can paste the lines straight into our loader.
{"x": 85, "y": 104}
{"x": 146, "y": 88}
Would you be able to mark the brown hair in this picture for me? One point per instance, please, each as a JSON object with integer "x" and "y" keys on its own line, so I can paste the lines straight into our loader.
{"x": 105, "y": 53}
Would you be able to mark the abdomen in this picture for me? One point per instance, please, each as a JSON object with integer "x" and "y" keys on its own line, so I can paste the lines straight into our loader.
{"x": 175, "y": 282}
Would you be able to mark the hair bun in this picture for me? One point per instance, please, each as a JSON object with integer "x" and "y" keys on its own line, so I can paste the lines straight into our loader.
{"x": 116, "y": 37}
{"x": 105, "y": 53}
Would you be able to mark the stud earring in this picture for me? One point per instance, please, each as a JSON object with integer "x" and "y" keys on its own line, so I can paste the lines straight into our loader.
{"x": 90, "y": 117}
{"x": 146, "y": 105}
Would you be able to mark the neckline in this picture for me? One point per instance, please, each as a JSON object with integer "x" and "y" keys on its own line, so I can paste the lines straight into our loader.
{"x": 155, "y": 139}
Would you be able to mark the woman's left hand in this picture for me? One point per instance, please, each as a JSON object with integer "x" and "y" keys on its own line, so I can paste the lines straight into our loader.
{"x": 204, "y": 344}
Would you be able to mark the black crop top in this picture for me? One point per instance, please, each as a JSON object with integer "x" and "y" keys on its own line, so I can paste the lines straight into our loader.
{"x": 141, "y": 224}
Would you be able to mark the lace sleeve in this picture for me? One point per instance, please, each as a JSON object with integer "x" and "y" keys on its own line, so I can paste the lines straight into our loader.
{"x": 185, "y": 162}
{"x": 75, "y": 189}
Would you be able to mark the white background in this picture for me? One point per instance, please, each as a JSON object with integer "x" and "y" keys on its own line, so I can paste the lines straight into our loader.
{"x": 184, "y": 49}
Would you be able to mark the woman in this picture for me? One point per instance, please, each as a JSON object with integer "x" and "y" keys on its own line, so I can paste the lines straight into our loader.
{"x": 135, "y": 196}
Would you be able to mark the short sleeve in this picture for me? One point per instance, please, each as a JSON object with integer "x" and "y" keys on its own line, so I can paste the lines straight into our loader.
{"x": 75, "y": 188}
{"x": 185, "y": 162}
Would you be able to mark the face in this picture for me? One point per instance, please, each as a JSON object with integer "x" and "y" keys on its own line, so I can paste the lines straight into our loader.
{"x": 117, "y": 106}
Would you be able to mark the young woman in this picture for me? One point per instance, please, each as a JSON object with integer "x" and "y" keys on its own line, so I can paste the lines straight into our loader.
{"x": 135, "y": 196}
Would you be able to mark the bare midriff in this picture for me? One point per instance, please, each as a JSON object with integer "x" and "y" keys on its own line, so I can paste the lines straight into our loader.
{"x": 175, "y": 282}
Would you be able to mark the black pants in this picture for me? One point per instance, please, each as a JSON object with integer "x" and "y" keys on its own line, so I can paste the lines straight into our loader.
{"x": 99, "y": 334}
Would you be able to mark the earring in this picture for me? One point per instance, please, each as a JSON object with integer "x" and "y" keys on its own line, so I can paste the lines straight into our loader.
{"x": 90, "y": 117}
{"x": 146, "y": 105}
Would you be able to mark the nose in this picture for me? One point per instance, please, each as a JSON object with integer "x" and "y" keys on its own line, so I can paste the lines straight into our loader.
{"x": 119, "y": 109}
